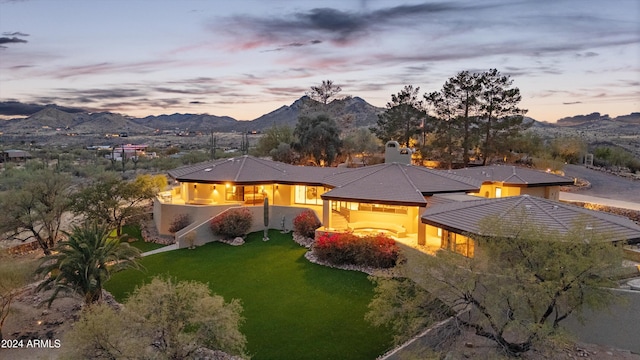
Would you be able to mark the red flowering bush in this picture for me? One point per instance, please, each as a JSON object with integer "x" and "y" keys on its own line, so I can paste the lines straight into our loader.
{"x": 306, "y": 223}
{"x": 232, "y": 223}
{"x": 345, "y": 248}
{"x": 179, "y": 222}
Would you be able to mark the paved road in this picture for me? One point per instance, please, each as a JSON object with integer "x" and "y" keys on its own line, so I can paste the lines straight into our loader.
{"x": 617, "y": 327}
{"x": 605, "y": 185}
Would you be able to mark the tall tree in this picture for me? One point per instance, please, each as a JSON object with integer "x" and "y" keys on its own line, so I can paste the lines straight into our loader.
{"x": 402, "y": 118}
{"x": 85, "y": 261}
{"x": 524, "y": 280}
{"x": 37, "y": 208}
{"x": 324, "y": 93}
{"x": 318, "y": 138}
{"x": 111, "y": 200}
{"x": 447, "y": 127}
{"x": 500, "y": 117}
{"x": 457, "y": 104}
{"x": 325, "y": 99}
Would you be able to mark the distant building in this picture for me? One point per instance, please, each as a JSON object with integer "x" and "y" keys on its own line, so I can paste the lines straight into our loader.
{"x": 127, "y": 151}
{"x": 15, "y": 155}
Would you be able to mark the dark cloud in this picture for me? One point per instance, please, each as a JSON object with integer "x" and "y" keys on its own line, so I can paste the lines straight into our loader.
{"x": 11, "y": 108}
{"x": 8, "y": 40}
{"x": 197, "y": 102}
{"x": 17, "y": 33}
{"x": 572, "y": 103}
{"x": 337, "y": 26}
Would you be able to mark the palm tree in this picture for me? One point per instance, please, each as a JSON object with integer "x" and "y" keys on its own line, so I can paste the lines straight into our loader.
{"x": 85, "y": 261}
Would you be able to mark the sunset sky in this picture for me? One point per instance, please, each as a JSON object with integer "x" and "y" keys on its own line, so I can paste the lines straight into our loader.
{"x": 246, "y": 58}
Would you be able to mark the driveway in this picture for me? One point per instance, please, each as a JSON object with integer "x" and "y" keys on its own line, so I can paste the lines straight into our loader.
{"x": 604, "y": 185}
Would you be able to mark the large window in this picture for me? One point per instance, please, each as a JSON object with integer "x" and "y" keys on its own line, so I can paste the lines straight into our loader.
{"x": 308, "y": 194}
{"x": 458, "y": 243}
{"x": 234, "y": 193}
{"x": 383, "y": 208}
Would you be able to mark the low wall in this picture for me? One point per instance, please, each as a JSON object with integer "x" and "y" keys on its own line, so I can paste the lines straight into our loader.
{"x": 278, "y": 216}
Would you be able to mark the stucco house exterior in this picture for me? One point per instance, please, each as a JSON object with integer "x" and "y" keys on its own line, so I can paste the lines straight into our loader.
{"x": 391, "y": 197}
{"x": 504, "y": 180}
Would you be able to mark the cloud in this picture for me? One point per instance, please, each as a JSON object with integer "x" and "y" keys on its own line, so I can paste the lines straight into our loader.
{"x": 320, "y": 24}
{"x": 109, "y": 68}
{"x": 572, "y": 103}
{"x": 17, "y": 33}
{"x": 7, "y": 40}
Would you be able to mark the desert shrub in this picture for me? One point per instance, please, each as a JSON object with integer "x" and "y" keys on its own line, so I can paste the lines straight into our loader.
{"x": 346, "y": 248}
{"x": 306, "y": 223}
{"x": 179, "y": 222}
{"x": 232, "y": 223}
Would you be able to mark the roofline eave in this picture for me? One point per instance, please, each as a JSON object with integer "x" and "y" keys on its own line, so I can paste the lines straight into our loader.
{"x": 373, "y": 201}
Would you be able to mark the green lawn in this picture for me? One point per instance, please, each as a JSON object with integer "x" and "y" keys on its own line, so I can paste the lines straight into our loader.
{"x": 294, "y": 309}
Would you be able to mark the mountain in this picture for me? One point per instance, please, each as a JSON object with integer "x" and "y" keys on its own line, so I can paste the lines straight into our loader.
{"x": 284, "y": 115}
{"x": 194, "y": 122}
{"x": 364, "y": 114}
{"x": 52, "y": 118}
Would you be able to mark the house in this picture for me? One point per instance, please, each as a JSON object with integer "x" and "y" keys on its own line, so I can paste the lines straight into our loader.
{"x": 452, "y": 221}
{"x": 389, "y": 197}
{"x": 14, "y": 155}
{"x": 502, "y": 180}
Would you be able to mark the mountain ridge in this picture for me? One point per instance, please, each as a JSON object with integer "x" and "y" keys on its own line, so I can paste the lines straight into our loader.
{"x": 354, "y": 110}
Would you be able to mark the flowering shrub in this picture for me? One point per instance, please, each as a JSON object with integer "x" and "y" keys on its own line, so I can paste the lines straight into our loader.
{"x": 306, "y": 223}
{"x": 232, "y": 223}
{"x": 345, "y": 248}
{"x": 179, "y": 222}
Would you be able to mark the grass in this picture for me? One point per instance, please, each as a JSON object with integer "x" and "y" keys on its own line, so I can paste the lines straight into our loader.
{"x": 293, "y": 309}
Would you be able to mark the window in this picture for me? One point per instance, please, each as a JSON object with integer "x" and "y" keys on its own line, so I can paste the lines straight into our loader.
{"x": 308, "y": 195}
{"x": 234, "y": 193}
{"x": 458, "y": 243}
{"x": 498, "y": 192}
{"x": 383, "y": 208}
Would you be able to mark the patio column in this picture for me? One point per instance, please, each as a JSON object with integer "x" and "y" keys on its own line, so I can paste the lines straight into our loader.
{"x": 326, "y": 213}
{"x": 421, "y": 227}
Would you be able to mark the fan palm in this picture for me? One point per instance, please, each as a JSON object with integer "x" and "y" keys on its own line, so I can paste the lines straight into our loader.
{"x": 85, "y": 261}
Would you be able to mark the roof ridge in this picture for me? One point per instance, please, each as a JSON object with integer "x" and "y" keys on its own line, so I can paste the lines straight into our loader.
{"x": 516, "y": 176}
{"x": 378, "y": 167}
{"x": 552, "y": 216}
{"x": 409, "y": 179}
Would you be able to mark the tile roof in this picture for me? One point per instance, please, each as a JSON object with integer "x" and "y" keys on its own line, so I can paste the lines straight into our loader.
{"x": 395, "y": 183}
{"x": 514, "y": 175}
{"x": 465, "y": 216}
{"x": 390, "y": 183}
{"x": 438, "y": 199}
{"x": 249, "y": 169}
